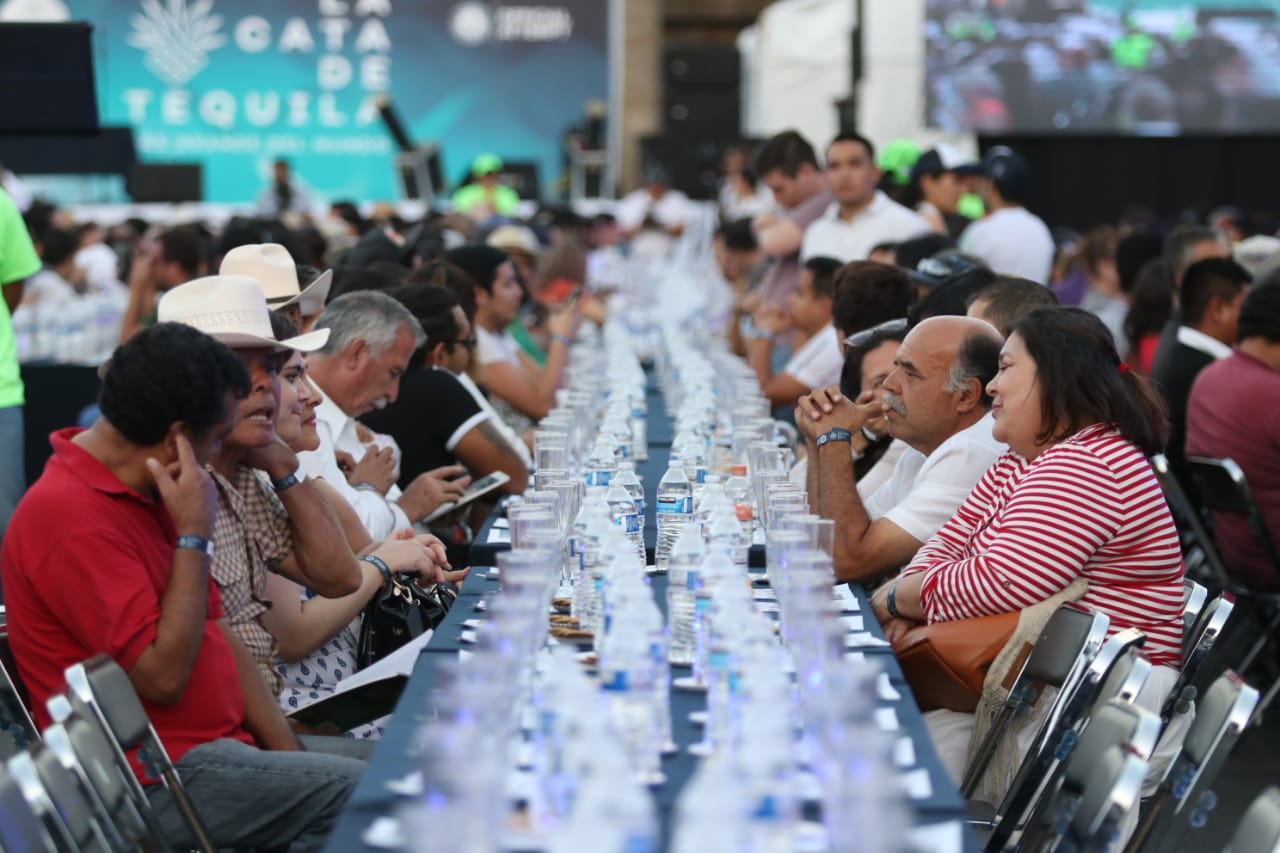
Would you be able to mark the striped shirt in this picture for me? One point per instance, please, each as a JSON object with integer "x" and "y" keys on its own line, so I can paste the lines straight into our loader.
{"x": 1089, "y": 505}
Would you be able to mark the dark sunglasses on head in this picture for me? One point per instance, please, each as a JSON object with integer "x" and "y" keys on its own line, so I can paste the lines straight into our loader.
{"x": 857, "y": 339}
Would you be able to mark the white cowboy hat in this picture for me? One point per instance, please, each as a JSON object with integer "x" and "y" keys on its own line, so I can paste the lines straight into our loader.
{"x": 273, "y": 267}
{"x": 231, "y": 309}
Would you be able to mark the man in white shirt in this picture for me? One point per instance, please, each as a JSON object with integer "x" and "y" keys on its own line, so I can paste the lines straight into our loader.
{"x": 936, "y": 402}
{"x": 1011, "y": 239}
{"x": 371, "y": 341}
{"x": 861, "y": 217}
{"x": 818, "y": 360}
{"x": 653, "y": 215}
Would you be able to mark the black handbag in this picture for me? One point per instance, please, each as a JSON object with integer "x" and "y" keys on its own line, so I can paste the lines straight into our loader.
{"x": 399, "y": 612}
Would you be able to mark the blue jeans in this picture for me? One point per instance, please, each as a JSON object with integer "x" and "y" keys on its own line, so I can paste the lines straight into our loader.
{"x": 250, "y": 797}
{"x": 13, "y": 475}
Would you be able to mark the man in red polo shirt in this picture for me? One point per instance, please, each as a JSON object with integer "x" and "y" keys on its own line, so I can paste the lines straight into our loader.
{"x": 109, "y": 552}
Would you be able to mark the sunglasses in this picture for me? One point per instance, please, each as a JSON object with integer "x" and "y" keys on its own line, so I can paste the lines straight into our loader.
{"x": 469, "y": 343}
{"x": 857, "y": 339}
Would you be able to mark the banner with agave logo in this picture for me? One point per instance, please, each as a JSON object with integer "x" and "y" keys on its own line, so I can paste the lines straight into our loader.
{"x": 235, "y": 84}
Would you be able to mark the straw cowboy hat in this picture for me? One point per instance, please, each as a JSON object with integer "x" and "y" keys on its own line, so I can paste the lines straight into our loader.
{"x": 273, "y": 267}
{"x": 231, "y": 309}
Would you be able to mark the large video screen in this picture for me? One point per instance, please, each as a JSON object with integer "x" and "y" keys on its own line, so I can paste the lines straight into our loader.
{"x": 1150, "y": 67}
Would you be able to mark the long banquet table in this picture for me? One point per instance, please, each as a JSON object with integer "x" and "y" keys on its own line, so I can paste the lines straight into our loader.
{"x": 934, "y": 800}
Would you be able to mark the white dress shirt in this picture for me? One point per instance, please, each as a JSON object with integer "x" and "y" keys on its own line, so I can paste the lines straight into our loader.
{"x": 882, "y": 221}
{"x": 380, "y": 515}
{"x": 925, "y": 491}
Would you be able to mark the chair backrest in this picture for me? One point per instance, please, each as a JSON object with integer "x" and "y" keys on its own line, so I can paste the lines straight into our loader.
{"x": 53, "y": 795}
{"x": 1112, "y": 791}
{"x": 1259, "y": 829}
{"x": 1222, "y": 714}
{"x": 20, "y": 826}
{"x": 1204, "y": 551}
{"x": 1069, "y": 641}
{"x": 57, "y": 739}
{"x": 1223, "y": 488}
{"x": 86, "y": 747}
{"x": 17, "y": 728}
{"x": 1116, "y": 723}
{"x": 1197, "y": 644}
{"x": 101, "y": 684}
{"x": 1127, "y": 676}
{"x": 1194, "y": 598}
{"x": 1065, "y": 646}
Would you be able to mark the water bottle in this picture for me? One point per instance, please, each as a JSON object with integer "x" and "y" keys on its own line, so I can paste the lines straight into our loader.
{"x": 711, "y": 498}
{"x": 716, "y": 566}
{"x": 725, "y": 530}
{"x": 590, "y": 531}
{"x": 600, "y": 464}
{"x": 674, "y": 510}
{"x": 622, "y": 508}
{"x": 626, "y": 477}
{"x": 627, "y": 675}
{"x": 693, "y": 452}
{"x": 611, "y": 813}
{"x": 711, "y": 812}
{"x": 639, "y": 422}
{"x": 739, "y": 493}
{"x": 681, "y": 592}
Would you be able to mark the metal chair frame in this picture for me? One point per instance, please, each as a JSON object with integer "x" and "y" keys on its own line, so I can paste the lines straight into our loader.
{"x": 1040, "y": 771}
{"x": 1186, "y": 788}
{"x": 130, "y": 729}
{"x": 1085, "y": 630}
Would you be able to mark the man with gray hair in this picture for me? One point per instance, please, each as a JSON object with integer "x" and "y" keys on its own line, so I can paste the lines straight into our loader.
{"x": 372, "y": 338}
{"x": 935, "y": 400}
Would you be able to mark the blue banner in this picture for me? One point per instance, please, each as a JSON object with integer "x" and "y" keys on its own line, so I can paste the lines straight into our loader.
{"x": 234, "y": 84}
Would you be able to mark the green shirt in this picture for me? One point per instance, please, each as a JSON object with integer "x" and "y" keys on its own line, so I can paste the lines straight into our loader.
{"x": 504, "y": 201}
{"x": 18, "y": 260}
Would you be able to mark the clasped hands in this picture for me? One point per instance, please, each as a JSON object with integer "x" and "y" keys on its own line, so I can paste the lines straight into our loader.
{"x": 826, "y": 408}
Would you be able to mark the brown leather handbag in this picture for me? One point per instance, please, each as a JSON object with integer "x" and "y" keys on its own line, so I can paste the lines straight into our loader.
{"x": 946, "y": 663}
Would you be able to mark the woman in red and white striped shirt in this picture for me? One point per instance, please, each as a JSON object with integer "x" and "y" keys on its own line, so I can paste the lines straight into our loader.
{"x": 1074, "y": 497}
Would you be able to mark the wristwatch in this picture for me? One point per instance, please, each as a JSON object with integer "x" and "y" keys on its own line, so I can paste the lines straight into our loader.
{"x": 891, "y": 603}
{"x": 288, "y": 482}
{"x": 836, "y": 434}
{"x": 196, "y": 543}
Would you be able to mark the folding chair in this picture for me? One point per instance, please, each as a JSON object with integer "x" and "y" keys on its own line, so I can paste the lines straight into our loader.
{"x": 1223, "y": 488}
{"x": 1196, "y": 645}
{"x": 17, "y": 728}
{"x": 1194, "y": 598}
{"x": 1116, "y": 670}
{"x": 53, "y": 795}
{"x": 84, "y": 749}
{"x": 21, "y": 828}
{"x": 1259, "y": 829}
{"x": 104, "y": 690}
{"x": 1194, "y": 537}
{"x": 1064, "y": 649}
{"x": 1185, "y": 796}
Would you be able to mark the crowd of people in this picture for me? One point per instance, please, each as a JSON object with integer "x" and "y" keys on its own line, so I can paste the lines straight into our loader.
{"x": 288, "y": 408}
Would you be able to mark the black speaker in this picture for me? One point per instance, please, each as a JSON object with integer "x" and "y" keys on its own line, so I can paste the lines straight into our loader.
{"x": 46, "y": 79}
{"x": 714, "y": 115}
{"x": 689, "y": 68}
{"x": 166, "y": 182}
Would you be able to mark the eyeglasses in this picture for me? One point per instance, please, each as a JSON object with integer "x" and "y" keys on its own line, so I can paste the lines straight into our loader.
{"x": 857, "y": 339}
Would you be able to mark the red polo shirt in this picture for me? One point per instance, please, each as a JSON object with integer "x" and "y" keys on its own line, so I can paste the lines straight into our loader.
{"x": 85, "y": 562}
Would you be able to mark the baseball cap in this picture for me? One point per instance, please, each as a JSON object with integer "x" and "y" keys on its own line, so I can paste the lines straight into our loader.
{"x": 897, "y": 158}
{"x": 944, "y": 158}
